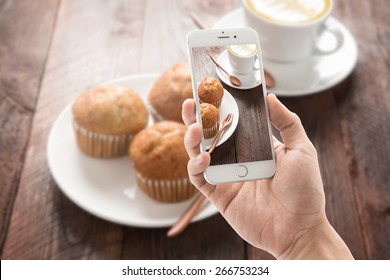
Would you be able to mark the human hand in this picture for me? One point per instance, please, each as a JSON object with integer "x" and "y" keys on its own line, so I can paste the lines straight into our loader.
{"x": 282, "y": 214}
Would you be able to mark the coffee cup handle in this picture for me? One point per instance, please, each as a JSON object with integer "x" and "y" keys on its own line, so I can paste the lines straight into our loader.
{"x": 336, "y": 33}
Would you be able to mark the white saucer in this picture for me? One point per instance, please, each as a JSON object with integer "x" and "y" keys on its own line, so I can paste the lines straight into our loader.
{"x": 228, "y": 105}
{"x": 107, "y": 187}
{"x": 312, "y": 75}
{"x": 248, "y": 81}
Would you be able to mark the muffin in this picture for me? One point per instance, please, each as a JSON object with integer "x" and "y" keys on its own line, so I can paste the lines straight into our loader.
{"x": 210, "y": 90}
{"x": 169, "y": 92}
{"x": 210, "y": 120}
{"x": 106, "y": 118}
{"x": 160, "y": 162}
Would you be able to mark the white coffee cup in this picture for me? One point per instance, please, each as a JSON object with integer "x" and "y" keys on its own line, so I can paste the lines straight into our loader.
{"x": 242, "y": 57}
{"x": 289, "y": 30}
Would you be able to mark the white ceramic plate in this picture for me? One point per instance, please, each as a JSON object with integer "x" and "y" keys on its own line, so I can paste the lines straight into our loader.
{"x": 228, "y": 105}
{"x": 247, "y": 81}
{"x": 312, "y": 75}
{"x": 107, "y": 187}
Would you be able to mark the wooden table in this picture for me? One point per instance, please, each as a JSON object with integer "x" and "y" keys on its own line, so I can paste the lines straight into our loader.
{"x": 52, "y": 50}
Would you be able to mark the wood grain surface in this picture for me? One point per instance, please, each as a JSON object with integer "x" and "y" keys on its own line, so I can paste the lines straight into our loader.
{"x": 25, "y": 34}
{"x": 50, "y": 51}
{"x": 251, "y": 139}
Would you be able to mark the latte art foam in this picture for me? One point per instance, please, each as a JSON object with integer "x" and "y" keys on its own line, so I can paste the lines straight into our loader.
{"x": 243, "y": 50}
{"x": 290, "y": 11}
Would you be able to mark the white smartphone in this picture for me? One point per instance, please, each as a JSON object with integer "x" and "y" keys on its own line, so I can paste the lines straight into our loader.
{"x": 244, "y": 151}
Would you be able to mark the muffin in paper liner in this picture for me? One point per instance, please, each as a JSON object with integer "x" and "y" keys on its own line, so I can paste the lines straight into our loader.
{"x": 106, "y": 117}
{"x": 160, "y": 162}
{"x": 210, "y": 132}
{"x": 211, "y": 91}
{"x": 101, "y": 145}
{"x": 168, "y": 191}
{"x": 210, "y": 119}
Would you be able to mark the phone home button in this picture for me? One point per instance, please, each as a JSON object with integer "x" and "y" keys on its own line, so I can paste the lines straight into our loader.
{"x": 241, "y": 171}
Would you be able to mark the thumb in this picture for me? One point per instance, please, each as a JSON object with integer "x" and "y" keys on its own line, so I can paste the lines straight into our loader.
{"x": 288, "y": 123}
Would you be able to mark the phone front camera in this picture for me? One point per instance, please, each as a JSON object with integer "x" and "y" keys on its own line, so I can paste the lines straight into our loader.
{"x": 235, "y": 36}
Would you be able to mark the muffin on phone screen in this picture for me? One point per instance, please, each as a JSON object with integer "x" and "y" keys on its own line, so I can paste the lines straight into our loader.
{"x": 210, "y": 90}
{"x": 210, "y": 120}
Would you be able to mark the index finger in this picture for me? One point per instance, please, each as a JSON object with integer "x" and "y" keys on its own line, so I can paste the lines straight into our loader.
{"x": 188, "y": 112}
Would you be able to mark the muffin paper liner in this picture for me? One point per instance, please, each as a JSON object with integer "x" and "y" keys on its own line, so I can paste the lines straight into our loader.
{"x": 102, "y": 145}
{"x": 211, "y": 132}
{"x": 167, "y": 191}
{"x": 218, "y": 103}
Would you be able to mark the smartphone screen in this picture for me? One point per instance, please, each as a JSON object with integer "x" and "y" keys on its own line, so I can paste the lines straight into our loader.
{"x": 247, "y": 138}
